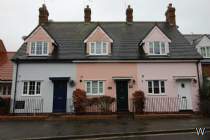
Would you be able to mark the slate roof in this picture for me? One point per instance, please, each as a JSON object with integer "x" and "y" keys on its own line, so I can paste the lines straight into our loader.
{"x": 194, "y": 39}
{"x": 70, "y": 38}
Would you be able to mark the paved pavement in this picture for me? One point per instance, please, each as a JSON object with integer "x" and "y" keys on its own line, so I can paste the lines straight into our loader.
{"x": 30, "y": 129}
{"x": 178, "y": 136}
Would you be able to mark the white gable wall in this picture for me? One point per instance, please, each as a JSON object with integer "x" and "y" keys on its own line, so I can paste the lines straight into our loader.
{"x": 156, "y": 35}
{"x": 205, "y": 41}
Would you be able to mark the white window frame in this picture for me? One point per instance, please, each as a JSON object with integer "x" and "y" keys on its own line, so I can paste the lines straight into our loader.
{"x": 159, "y": 84}
{"x": 7, "y": 89}
{"x": 28, "y": 86}
{"x": 94, "y": 53}
{"x": 206, "y": 52}
{"x": 91, "y": 93}
{"x": 153, "y": 47}
{"x": 42, "y": 54}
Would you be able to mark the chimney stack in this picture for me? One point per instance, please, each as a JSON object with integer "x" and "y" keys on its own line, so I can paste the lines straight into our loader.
{"x": 43, "y": 14}
{"x": 170, "y": 15}
{"x": 87, "y": 13}
{"x": 129, "y": 14}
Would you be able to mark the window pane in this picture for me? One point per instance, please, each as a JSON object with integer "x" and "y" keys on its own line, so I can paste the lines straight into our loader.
{"x": 98, "y": 47}
{"x": 8, "y": 90}
{"x": 163, "y": 48}
{"x": 32, "y": 48}
{"x": 1, "y": 88}
{"x": 4, "y": 90}
{"x": 31, "y": 88}
{"x": 38, "y": 85}
{"x": 156, "y": 87}
{"x": 92, "y": 48}
{"x": 157, "y": 47}
{"x": 39, "y": 48}
{"x": 25, "y": 87}
{"x": 94, "y": 87}
{"x": 149, "y": 86}
{"x": 105, "y": 48}
{"x": 208, "y": 51}
{"x": 101, "y": 87}
{"x": 151, "y": 47}
{"x": 45, "y": 48}
{"x": 203, "y": 52}
{"x": 162, "y": 86}
{"x": 88, "y": 87}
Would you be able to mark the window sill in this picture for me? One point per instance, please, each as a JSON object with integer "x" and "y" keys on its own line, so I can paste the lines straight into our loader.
{"x": 95, "y": 94}
{"x": 157, "y": 54}
{"x": 31, "y": 95}
{"x": 5, "y": 95}
{"x": 150, "y": 94}
{"x": 98, "y": 55}
{"x": 38, "y": 55}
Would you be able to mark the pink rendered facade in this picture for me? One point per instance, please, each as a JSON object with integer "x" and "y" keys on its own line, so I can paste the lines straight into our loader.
{"x": 141, "y": 73}
{"x": 169, "y": 72}
{"x": 106, "y": 72}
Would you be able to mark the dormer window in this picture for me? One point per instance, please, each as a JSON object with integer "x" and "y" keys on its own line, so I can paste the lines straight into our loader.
{"x": 157, "y": 48}
{"x": 98, "y": 43}
{"x": 98, "y": 48}
{"x": 156, "y": 43}
{"x": 39, "y": 48}
{"x": 205, "y": 51}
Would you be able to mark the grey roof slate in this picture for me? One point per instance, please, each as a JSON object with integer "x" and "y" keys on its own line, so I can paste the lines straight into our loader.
{"x": 70, "y": 38}
{"x": 194, "y": 39}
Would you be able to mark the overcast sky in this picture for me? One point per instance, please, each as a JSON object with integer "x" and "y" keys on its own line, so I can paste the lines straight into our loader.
{"x": 19, "y": 17}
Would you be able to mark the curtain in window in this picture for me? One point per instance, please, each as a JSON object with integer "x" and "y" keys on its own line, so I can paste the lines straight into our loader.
{"x": 157, "y": 47}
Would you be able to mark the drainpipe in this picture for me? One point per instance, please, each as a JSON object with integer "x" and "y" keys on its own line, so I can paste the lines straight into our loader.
{"x": 199, "y": 84}
{"x": 15, "y": 90}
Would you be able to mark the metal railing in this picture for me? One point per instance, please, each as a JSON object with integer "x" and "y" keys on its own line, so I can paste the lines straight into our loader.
{"x": 28, "y": 105}
{"x": 101, "y": 108}
{"x": 152, "y": 104}
{"x": 163, "y": 104}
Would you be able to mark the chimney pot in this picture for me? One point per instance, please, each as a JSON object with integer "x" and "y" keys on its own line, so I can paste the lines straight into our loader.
{"x": 43, "y": 14}
{"x": 87, "y": 12}
{"x": 129, "y": 14}
{"x": 170, "y": 15}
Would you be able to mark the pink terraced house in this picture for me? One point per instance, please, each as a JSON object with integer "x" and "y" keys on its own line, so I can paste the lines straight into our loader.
{"x": 106, "y": 58}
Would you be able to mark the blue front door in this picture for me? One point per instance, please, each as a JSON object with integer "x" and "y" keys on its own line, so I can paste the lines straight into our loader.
{"x": 59, "y": 98}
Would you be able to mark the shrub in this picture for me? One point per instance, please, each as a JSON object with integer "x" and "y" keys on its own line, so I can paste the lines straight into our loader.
{"x": 204, "y": 96}
{"x": 79, "y": 101}
{"x": 139, "y": 101}
{"x": 103, "y": 102}
{"x": 4, "y": 105}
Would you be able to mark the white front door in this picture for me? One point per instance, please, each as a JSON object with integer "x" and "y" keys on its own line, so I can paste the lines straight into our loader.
{"x": 184, "y": 94}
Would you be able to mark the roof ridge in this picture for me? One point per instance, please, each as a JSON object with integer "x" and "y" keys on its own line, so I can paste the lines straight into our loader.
{"x": 106, "y": 22}
{"x": 195, "y": 34}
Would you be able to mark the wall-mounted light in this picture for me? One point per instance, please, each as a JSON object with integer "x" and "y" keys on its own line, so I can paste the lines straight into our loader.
{"x": 72, "y": 83}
